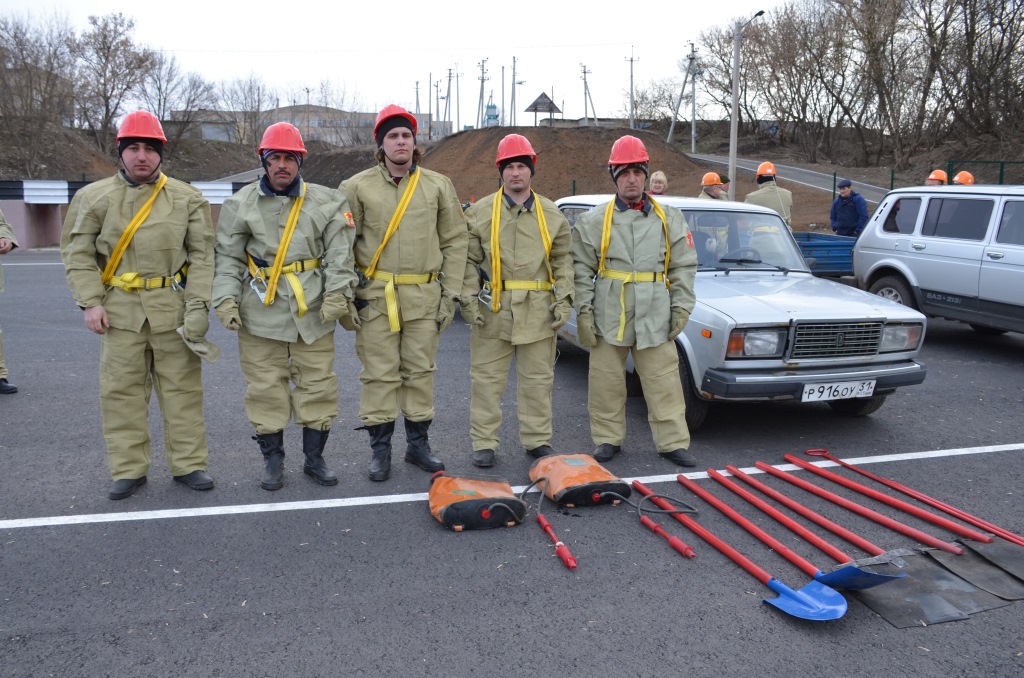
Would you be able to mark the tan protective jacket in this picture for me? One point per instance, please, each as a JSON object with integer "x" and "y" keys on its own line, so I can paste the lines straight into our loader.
{"x": 252, "y": 222}
{"x": 637, "y": 244}
{"x": 432, "y": 238}
{"x": 704, "y": 195}
{"x": 773, "y": 197}
{"x": 524, "y": 316}
{"x": 5, "y": 232}
{"x": 178, "y": 229}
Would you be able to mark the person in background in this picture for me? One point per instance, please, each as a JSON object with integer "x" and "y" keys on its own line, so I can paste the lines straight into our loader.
{"x": 937, "y": 178}
{"x": 770, "y": 195}
{"x": 7, "y": 243}
{"x": 519, "y": 264}
{"x": 138, "y": 255}
{"x": 410, "y": 252}
{"x": 712, "y": 188}
{"x": 635, "y": 265}
{"x": 283, "y": 277}
{"x": 658, "y": 183}
{"x": 849, "y": 211}
{"x": 963, "y": 178}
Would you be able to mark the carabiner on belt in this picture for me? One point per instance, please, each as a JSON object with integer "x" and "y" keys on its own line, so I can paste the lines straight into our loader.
{"x": 255, "y": 283}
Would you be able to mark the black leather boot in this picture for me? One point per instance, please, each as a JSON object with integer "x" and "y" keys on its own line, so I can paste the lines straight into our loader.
{"x": 418, "y": 451}
{"x": 380, "y": 441}
{"x": 272, "y": 447}
{"x": 313, "y": 442}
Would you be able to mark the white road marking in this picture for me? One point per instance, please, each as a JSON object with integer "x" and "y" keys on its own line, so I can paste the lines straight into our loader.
{"x": 56, "y": 521}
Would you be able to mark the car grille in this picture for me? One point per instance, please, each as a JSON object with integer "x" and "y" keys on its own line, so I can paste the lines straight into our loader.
{"x": 835, "y": 340}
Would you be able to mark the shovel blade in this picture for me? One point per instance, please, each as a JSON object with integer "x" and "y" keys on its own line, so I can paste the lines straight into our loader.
{"x": 1003, "y": 554}
{"x": 815, "y": 601}
{"x": 853, "y": 578}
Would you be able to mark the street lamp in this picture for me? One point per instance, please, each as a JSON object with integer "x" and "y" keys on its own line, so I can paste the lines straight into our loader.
{"x": 737, "y": 36}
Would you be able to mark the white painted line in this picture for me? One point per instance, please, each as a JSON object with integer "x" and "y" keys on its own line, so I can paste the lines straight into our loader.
{"x": 56, "y": 521}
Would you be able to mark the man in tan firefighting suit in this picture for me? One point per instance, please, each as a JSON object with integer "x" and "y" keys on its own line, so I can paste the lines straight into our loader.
{"x": 711, "y": 187}
{"x": 410, "y": 249}
{"x": 634, "y": 263}
{"x": 7, "y": 243}
{"x": 128, "y": 244}
{"x": 519, "y": 265}
{"x": 284, "y": 276}
{"x": 770, "y": 195}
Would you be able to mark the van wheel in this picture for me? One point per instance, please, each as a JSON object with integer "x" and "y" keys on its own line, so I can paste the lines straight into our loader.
{"x": 856, "y": 407}
{"x": 986, "y": 330}
{"x": 696, "y": 407}
{"x": 894, "y": 289}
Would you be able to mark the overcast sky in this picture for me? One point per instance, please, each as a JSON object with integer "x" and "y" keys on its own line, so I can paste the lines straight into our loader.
{"x": 378, "y": 51}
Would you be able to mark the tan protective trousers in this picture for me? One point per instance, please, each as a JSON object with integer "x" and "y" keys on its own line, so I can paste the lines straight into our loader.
{"x": 398, "y": 370}
{"x": 658, "y": 368}
{"x": 3, "y": 366}
{"x": 270, "y": 367}
{"x": 132, "y": 364}
{"x": 490, "y": 360}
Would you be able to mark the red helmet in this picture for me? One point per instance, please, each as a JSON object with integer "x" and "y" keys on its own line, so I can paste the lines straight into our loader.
{"x": 514, "y": 146}
{"x": 711, "y": 179}
{"x": 765, "y": 169}
{"x": 628, "y": 150}
{"x": 390, "y": 111}
{"x": 282, "y": 136}
{"x": 143, "y": 125}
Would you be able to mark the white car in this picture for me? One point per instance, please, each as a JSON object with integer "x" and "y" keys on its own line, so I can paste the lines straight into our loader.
{"x": 765, "y": 329}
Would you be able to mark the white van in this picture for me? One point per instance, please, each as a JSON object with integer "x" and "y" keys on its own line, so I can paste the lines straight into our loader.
{"x": 954, "y": 252}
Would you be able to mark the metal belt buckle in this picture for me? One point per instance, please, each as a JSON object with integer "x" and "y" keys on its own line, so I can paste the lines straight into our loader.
{"x": 363, "y": 280}
{"x": 255, "y": 282}
{"x": 174, "y": 284}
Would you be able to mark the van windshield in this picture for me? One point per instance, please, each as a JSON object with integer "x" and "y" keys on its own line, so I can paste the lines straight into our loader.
{"x": 727, "y": 240}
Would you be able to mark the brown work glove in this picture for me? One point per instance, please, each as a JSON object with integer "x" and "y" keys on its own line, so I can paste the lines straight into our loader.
{"x": 197, "y": 320}
{"x": 562, "y": 310}
{"x": 585, "y": 329}
{"x": 334, "y": 306}
{"x": 679, "y": 319}
{"x": 445, "y": 312}
{"x": 471, "y": 311}
{"x": 227, "y": 313}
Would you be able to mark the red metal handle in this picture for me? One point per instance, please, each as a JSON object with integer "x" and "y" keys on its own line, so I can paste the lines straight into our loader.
{"x": 787, "y": 501}
{"x": 675, "y": 542}
{"x": 707, "y": 536}
{"x": 980, "y": 523}
{"x": 750, "y": 527}
{"x": 920, "y": 536}
{"x": 944, "y": 523}
{"x": 781, "y": 517}
{"x": 561, "y": 550}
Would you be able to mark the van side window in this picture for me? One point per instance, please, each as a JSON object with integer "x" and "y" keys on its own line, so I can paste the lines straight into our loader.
{"x": 1011, "y": 228}
{"x": 957, "y": 218}
{"x": 903, "y": 216}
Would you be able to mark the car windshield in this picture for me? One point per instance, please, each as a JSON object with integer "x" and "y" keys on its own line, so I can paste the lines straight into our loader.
{"x": 737, "y": 240}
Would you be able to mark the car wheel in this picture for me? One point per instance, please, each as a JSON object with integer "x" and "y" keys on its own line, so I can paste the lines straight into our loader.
{"x": 986, "y": 330}
{"x": 696, "y": 407}
{"x": 894, "y": 289}
{"x": 856, "y": 407}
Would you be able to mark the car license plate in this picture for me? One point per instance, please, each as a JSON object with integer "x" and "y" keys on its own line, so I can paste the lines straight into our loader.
{"x": 838, "y": 390}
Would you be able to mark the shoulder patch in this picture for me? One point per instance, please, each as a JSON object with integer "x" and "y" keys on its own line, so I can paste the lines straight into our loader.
{"x": 350, "y": 220}
{"x": 689, "y": 239}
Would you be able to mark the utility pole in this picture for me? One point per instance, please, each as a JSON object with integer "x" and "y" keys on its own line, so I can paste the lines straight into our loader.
{"x": 512, "y": 113}
{"x": 737, "y": 36}
{"x": 458, "y": 101}
{"x": 501, "y": 122}
{"x": 430, "y": 118}
{"x": 586, "y": 117}
{"x": 480, "y": 105}
{"x": 417, "y": 97}
{"x": 632, "y": 104}
{"x": 448, "y": 98}
{"x": 693, "y": 98}
{"x": 308, "y": 90}
{"x": 437, "y": 107}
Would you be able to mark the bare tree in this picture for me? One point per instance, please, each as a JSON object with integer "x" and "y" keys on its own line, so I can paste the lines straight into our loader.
{"x": 244, "y": 102}
{"x": 656, "y": 101}
{"x": 175, "y": 96}
{"x": 112, "y": 66}
{"x": 36, "y": 79}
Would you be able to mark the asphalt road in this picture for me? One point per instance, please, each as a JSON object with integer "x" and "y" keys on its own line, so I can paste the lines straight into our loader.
{"x": 360, "y": 580}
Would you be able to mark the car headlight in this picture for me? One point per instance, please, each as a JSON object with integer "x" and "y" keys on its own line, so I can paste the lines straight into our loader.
{"x": 900, "y": 337}
{"x": 756, "y": 343}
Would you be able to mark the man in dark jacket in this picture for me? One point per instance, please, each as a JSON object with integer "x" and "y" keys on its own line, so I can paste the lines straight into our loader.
{"x": 849, "y": 210}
